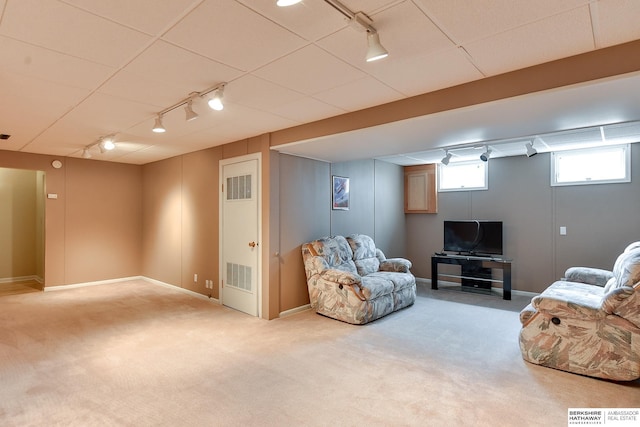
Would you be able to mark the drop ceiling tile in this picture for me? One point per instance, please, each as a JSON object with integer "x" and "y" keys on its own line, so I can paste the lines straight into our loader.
{"x": 404, "y": 31}
{"x": 22, "y": 96}
{"x": 465, "y": 21}
{"x": 45, "y": 64}
{"x": 359, "y": 94}
{"x": 307, "y": 110}
{"x": 75, "y": 32}
{"x": 176, "y": 66}
{"x": 152, "y": 154}
{"x": 421, "y": 73}
{"x": 368, "y": 6}
{"x": 310, "y": 20}
{"x": 617, "y": 21}
{"x": 65, "y": 137}
{"x": 116, "y": 114}
{"x": 254, "y": 92}
{"x": 149, "y": 16}
{"x": 249, "y": 122}
{"x": 213, "y": 30}
{"x": 552, "y": 38}
{"x": 147, "y": 90}
{"x": 309, "y": 70}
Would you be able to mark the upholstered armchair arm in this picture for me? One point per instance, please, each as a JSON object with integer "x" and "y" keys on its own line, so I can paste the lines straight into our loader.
{"x": 527, "y": 314}
{"x": 570, "y": 300}
{"x": 344, "y": 278}
{"x": 588, "y": 275}
{"x": 340, "y": 277}
{"x": 400, "y": 265}
{"x": 314, "y": 265}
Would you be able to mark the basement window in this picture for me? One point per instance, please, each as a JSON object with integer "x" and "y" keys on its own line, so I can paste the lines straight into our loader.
{"x": 601, "y": 165}
{"x": 463, "y": 176}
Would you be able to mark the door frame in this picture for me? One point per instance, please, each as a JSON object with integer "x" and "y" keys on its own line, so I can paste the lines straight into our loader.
{"x": 221, "y": 165}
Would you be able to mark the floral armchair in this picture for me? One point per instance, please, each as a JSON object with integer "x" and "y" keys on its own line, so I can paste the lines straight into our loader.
{"x": 589, "y": 322}
{"x": 349, "y": 279}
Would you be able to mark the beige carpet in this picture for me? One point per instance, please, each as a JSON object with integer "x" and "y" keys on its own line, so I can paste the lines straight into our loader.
{"x": 139, "y": 354}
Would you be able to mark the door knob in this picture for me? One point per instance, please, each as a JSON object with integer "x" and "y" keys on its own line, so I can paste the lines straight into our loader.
{"x": 252, "y": 244}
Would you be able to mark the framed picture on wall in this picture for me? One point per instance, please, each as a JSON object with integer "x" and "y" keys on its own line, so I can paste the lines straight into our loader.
{"x": 340, "y": 192}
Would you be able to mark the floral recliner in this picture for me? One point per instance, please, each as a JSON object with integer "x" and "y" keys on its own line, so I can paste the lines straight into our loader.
{"x": 589, "y": 322}
{"x": 349, "y": 279}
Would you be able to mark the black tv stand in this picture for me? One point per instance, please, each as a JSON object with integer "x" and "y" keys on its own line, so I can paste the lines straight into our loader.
{"x": 475, "y": 272}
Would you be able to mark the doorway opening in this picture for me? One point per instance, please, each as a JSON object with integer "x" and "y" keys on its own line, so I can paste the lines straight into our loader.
{"x": 22, "y": 223}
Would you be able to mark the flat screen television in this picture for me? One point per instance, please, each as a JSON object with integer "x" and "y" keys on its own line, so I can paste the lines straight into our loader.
{"x": 473, "y": 237}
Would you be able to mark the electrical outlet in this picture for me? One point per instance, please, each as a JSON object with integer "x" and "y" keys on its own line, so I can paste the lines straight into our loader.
{"x": 195, "y": 278}
{"x": 563, "y": 231}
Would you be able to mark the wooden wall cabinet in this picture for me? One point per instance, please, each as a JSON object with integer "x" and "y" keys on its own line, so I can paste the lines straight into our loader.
{"x": 420, "y": 193}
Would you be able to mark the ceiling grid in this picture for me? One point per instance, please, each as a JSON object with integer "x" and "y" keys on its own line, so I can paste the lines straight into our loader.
{"x": 77, "y": 70}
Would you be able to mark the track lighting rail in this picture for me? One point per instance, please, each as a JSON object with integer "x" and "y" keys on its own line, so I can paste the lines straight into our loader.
{"x": 192, "y": 96}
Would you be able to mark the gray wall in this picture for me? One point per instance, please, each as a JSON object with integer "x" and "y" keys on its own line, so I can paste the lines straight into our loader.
{"x": 600, "y": 219}
{"x": 376, "y": 209}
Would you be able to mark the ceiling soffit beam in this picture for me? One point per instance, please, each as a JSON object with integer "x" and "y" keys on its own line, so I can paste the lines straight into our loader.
{"x": 598, "y": 64}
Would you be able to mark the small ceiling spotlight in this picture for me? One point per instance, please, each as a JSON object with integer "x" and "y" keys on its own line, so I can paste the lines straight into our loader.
{"x": 486, "y": 155}
{"x": 375, "y": 50}
{"x": 108, "y": 143}
{"x": 215, "y": 102}
{"x": 447, "y": 157}
{"x": 284, "y": 3}
{"x": 530, "y": 150}
{"x": 188, "y": 109}
{"x": 86, "y": 154}
{"x": 157, "y": 126}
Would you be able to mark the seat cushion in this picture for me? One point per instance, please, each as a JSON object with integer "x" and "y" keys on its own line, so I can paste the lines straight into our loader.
{"x": 375, "y": 286}
{"x": 399, "y": 280}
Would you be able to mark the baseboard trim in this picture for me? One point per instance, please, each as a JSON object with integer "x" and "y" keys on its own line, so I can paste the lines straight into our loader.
{"x": 96, "y": 283}
{"x": 20, "y": 279}
{"x": 296, "y": 310}
{"x": 128, "y": 279}
{"x": 178, "y": 288}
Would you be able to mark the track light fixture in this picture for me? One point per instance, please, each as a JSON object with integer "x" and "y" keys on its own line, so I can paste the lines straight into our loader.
{"x": 215, "y": 102}
{"x": 375, "y": 50}
{"x": 486, "y": 155}
{"x": 530, "y": 150}
{"x": 189, "y": 113}
{"x": 104, "y": 144}
{"x": 361, "y": 22}
{"x": 157, "y": 126}
{"x": 447, "y": 157}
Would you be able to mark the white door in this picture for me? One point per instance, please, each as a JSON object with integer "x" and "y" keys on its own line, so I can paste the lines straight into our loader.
{"x": 240, "y": 233}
